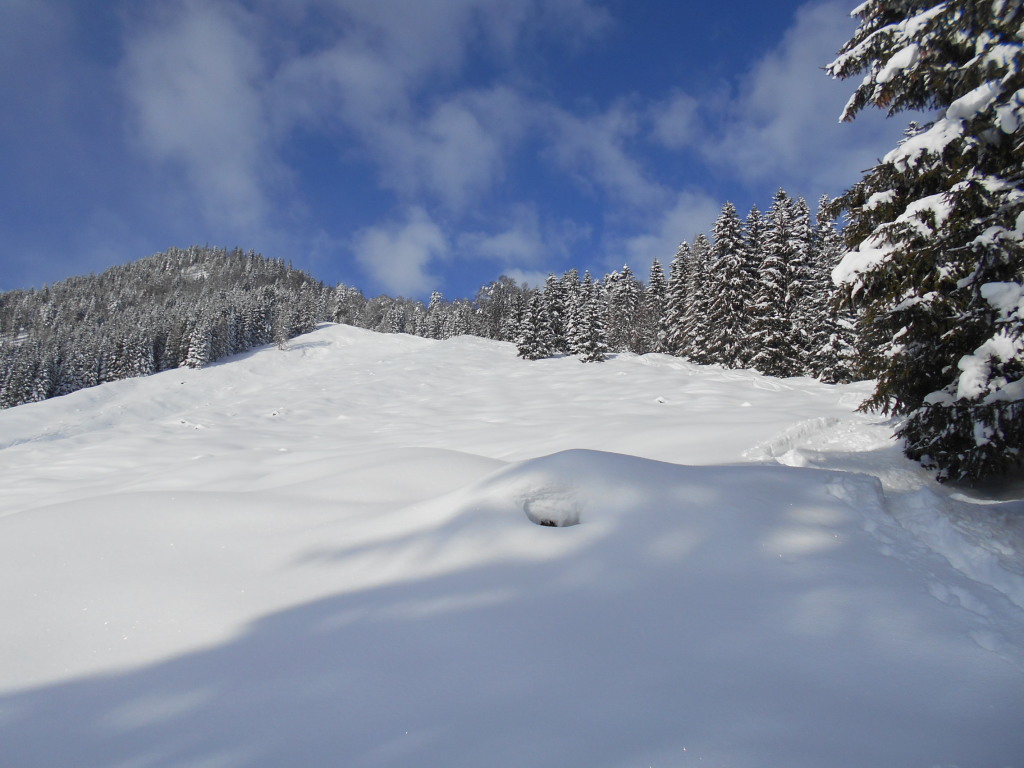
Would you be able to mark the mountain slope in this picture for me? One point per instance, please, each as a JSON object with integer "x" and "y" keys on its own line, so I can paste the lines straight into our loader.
{"x": 330, "y": 555}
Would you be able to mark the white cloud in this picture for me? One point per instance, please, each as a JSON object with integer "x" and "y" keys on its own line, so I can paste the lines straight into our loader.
{"x": 215, "y": 94}
{"x": 691, "y": 213}
{"x": 519, "y": 243}
{"x": 595, "y": 150}
{"x": 783, "y": 126}
{"x": 532, "y": 278}
{"x": 524, "y": 243}
{"x": 389, "y": 78}
{"x": 398, "y": 256}
{"x": 458, "y": 152}
{"x": 191, "y": 77}
{"x": 674, "y": 121}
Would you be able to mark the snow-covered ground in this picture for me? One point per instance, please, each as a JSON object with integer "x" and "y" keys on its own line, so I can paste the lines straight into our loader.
{"x": 331, "y": 555}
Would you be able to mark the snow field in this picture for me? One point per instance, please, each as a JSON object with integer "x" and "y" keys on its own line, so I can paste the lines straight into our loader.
{"x": 331, "y": 555}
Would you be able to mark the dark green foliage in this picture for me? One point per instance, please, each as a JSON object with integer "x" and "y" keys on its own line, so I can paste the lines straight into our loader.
{"x": 672, "y": 335}
{"x": 591, "y": 342}
{"x": 535, "y": 339}
{"x": 728, "y": 291}
{"x": 831, "y": 350}
{"x": 656, "y": 308}
{"x": 775, "y": 343}
{"x": 937, "y": 228}
{"x": 695, "y": 329}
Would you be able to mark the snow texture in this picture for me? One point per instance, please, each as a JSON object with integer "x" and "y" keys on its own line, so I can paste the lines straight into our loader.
{"x": 374, "y": 550}
{"x": 903, "y": 59}
{"x": 1006, "y": 298}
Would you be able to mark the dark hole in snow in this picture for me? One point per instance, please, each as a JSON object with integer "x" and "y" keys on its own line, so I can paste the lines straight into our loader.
{"x": 552, "y": 509}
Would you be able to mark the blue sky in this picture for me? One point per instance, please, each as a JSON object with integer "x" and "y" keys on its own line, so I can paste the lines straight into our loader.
{"x": 408, "y": 145}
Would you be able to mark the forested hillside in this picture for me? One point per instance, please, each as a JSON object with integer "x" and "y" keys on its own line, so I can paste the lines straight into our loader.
{"x": 755, "y": 295}
{"x": 183, "y": 307}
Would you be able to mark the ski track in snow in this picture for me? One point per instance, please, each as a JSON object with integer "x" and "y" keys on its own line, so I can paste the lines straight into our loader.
{"x": 373, "y": 550}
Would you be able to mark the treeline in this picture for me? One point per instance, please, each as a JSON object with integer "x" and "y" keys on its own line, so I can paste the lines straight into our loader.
{"x": 758, "y": 294}
{"x": 194, "y": 306}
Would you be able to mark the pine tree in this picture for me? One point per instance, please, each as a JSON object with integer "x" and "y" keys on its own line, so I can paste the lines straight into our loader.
{"x": 695, "y": 327}
{"x": 199, "y": 342}
{"x": 577, "y": 298}
{"x": 433, "y": 317}
{"x": 570, "y": 287}
{"x": 936, "y": 228}
{"x": 673, "y": 337}
{"x": 535, "y": 339}
{"x": 591, "y": 342}
{"x": 831, "y": 351}
{"x": 556, "y": 312}
{"x": 802, "y": 285}
{"x": 771, "y": 325}
{"x": 655, "y": 308}
{"x": 726, "y": 316}
{"x": 497, "y": 309}
{"x": 753, "y": 236}
{"x": 624, "y": 295}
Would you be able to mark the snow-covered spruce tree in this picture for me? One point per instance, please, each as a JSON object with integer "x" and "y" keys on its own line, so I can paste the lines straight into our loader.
{"x": 695, "y": 329}
{"x": 591, "y": 340}
{"x": 577, "y": 313}
{"x": 771, "y": 325}
{"x": 936, "y": 228}
{"x": 802, "y": 283}
{"x": 576, "y": 298}
{"x": 655, "y": 304}
{"x": 726, "y": 317}
{"x": 499, "y": 307}
{"x": 833, "y": 337}
{"x": 673, "y": 338}
{"x": 199, "y": 343}
{"x": 753, "y": 236}
{"x": 621, "y": 294}
{"x": 556, "y": 312}
{"x": 535, "y": 339}
{"x": 570, "y": 285}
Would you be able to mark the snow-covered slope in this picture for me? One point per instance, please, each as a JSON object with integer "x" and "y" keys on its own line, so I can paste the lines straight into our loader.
{"x": 332, "y": 555}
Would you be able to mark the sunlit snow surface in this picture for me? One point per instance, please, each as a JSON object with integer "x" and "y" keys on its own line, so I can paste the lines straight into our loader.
{"x": 331, "y": 555}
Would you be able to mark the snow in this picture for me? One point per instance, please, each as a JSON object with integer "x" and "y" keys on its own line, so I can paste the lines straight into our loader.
{"x": 374, "y": 550}
{"x": 915, "y": 25}
{"x": 932, "y": 141}
{"x": 880, "y": 198}
{"x": 975, "y": 369}
{"x": 902, "y": 59}
{"x": 974, "y": 102}
{"x": 1005, "y": 297}
{"x": 924, "y": 215}
{"x": 868, "y": 255}
{"x": 937, "y": 208}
